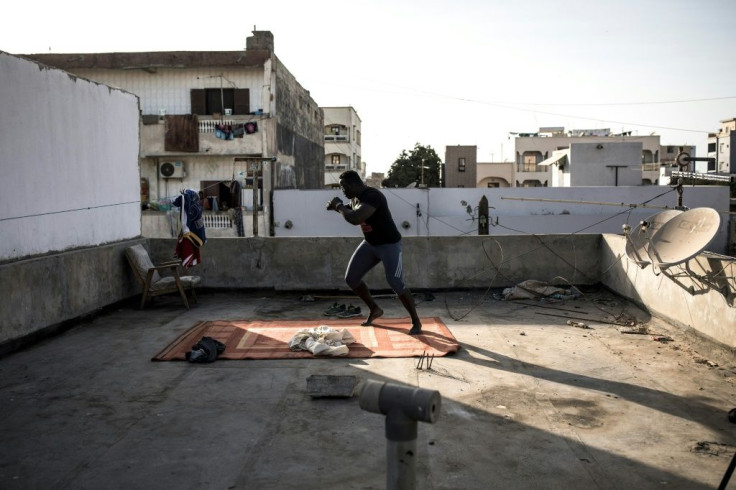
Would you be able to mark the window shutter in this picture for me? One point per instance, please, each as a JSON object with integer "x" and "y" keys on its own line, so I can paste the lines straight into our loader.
{"x": 199, "y": 105}
{"x": 242, "y": 101}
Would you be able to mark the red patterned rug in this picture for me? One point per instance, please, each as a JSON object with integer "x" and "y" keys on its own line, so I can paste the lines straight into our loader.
{"x": 269, "y": 339}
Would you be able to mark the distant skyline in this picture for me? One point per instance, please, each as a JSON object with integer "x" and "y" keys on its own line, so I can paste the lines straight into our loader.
{"x": 445, "y": 73}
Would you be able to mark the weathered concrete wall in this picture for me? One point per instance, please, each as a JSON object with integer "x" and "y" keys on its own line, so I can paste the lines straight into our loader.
{"x": 44, "y": 292}
{"x": 310, "y": 263}
{"x": 299, "y": 133}
{"x": 707, "y": 311}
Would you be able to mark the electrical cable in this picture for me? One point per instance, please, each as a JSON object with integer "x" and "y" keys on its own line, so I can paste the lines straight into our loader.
{"x": 72, "y": 210}
{"x": 544, "y": 245}
{"x": 510, "y": 106}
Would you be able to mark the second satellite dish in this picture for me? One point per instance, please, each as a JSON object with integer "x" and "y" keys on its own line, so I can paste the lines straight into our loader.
{"x": 638, "y": 242}
{"x": 683, "y": 237}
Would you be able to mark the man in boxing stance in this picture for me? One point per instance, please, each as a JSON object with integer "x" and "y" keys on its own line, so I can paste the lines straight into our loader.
{"x": 369, "y": 209}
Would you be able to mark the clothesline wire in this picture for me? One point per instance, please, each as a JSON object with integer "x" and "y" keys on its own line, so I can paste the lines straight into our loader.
{"x": 71, "y": 210}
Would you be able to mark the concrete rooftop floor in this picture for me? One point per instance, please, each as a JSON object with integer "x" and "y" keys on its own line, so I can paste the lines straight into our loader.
{"x": 527, "y": 402}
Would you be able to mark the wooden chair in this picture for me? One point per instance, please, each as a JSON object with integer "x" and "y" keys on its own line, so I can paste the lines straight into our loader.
{"x": 153, "y": 283}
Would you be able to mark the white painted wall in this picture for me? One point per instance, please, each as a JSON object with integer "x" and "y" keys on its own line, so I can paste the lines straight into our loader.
{"x": 591, "y": 164}
{"x": 442, "y": 213}
{"x": 69, "y": 161}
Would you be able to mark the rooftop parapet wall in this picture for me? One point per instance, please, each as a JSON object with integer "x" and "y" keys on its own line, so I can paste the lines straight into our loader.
{"x": 704, "y": 310}
{"x": 44, "y": 292}
{"x": 50, "y": 291}
{"x": 318, "y": 263}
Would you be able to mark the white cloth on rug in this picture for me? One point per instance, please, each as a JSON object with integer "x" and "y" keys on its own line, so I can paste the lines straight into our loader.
{"x": 322, "y": 341}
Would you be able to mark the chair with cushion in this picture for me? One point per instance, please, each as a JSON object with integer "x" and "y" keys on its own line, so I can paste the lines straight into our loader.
{"x": 153, "y": 283}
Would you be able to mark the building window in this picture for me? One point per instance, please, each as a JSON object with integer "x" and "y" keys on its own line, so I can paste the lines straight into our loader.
{"x": 711, "y": 147}
{"x": 530, "y": 163}
{"x": 493, "y": 185}
{"x": 210, "y": 101}
{"x": 335, "y": 130}
{"x": 336, "y": 159}
{"x": 461, "y": 164}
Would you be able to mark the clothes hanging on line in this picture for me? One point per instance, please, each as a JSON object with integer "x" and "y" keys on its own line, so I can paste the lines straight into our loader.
{"x": 192, "y": 233}
{"x": 224, "y": 131}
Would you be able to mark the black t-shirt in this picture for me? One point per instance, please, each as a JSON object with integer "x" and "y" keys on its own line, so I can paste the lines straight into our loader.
{"x": 379, "y": 228}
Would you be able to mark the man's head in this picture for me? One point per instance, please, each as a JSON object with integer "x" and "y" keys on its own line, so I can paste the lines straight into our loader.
{"x": 351, "y": 183}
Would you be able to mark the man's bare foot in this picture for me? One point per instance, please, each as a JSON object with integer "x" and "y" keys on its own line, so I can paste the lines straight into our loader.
{"x": 416, "y": 329}
{"x": 377, "y": 312}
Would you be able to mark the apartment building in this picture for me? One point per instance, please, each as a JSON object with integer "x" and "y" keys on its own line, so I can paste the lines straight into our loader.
{"x": 532, "y": 149}
{"x": 342, "y": 140}
{"x": 722, "y": 147}
{"x": 209, "y": 119}
{"x": 461, "y": 166}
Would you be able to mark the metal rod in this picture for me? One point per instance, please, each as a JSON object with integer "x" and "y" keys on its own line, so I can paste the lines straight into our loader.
{"x": 571, "y": 317}
{"x": 621, "y": 204}
{"x": 555, "y": 308}
{"x": 421, "y": 360}
{"x": 255, "y": 199}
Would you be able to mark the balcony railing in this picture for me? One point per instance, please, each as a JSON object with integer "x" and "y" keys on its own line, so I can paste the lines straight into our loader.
{"x": 208, "y": 126}
{"x": 336, "y": 137}
{"x": 531, "y": 168}
{"x": 217, "y": 221}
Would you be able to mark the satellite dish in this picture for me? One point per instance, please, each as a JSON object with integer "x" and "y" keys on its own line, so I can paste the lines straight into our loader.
{"x": 683, "y": 237}
{"x": 636, "y": 245}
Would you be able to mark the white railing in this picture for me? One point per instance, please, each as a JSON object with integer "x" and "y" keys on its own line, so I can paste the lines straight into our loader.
{"x": 208, "y": 126}
{"x": 217, "y": 221}
{"x": 336, "y": 137}
{"x": 702, "y": 176}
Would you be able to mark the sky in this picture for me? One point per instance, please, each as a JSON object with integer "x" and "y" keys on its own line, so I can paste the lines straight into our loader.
{"x": 443, "y": 73}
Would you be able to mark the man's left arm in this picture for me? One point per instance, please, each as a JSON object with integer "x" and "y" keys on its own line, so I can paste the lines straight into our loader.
{"x": 355, "y": 216}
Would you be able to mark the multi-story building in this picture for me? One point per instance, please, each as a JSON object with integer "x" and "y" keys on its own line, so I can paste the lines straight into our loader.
{"x": 375, "y": 179}
{"x": 461, "y": 166}
{"x": 596, "y": 164}
{"x": 534, "y": 148}
{"x": 209, "y": 119}
{"x": 342, "y": 140}
{"x": 722, "y": 147}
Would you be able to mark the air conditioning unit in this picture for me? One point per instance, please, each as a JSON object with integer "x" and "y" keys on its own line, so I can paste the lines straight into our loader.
{"x": 172, "y": 170}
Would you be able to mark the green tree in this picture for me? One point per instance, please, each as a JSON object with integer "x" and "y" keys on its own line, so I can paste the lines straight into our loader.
{"x": 407, "y": 169}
